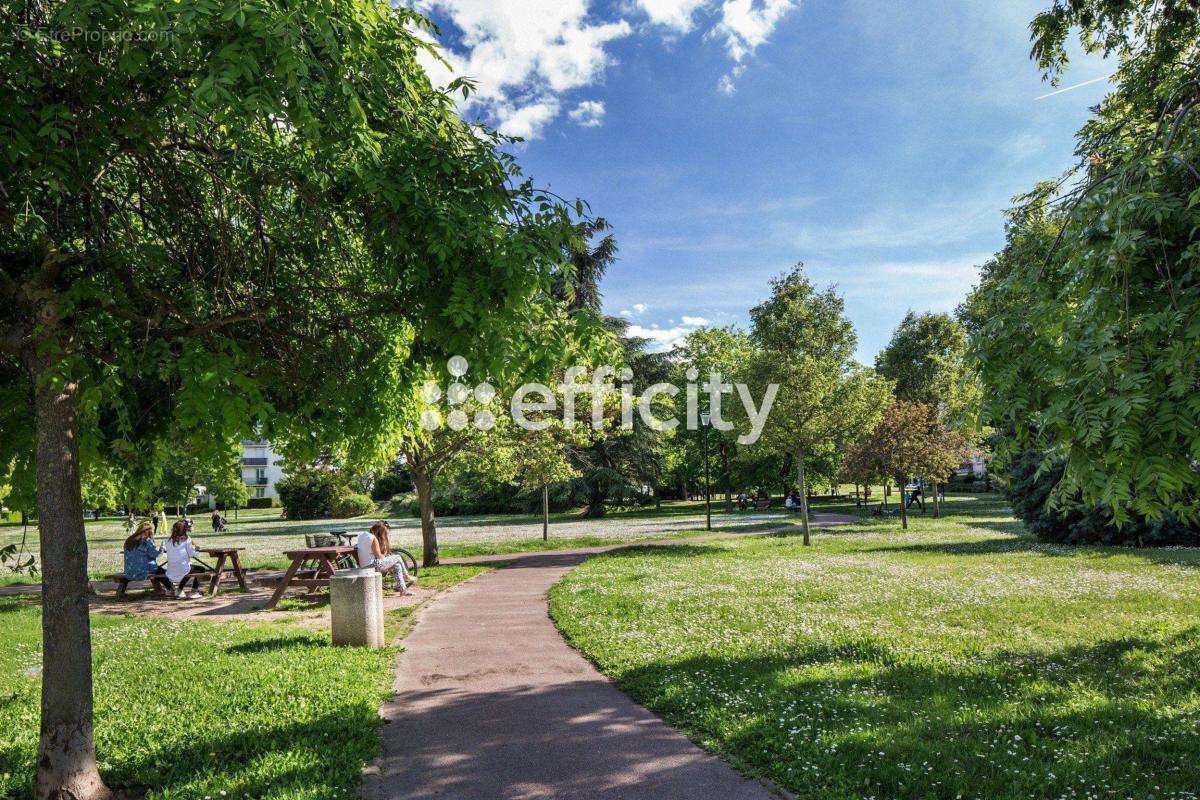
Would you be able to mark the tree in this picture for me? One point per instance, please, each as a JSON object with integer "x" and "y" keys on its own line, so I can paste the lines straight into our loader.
{"x": 429, "y": 450}
{"x": 908, "y": 441}
{"x": 727, "y": 352}
{"x": 805, "y": 345}
{"x": 1084, "y": 326}
{"x": 926, "y": 360}
{"x": 542, "y": 458}
{"x": 619, "y": 465}
{"x": 226, "y": 223}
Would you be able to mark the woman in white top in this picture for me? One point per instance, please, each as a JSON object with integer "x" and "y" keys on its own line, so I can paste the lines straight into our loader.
{"x": 374, "y": 550}
{"x": 180, "y": 551}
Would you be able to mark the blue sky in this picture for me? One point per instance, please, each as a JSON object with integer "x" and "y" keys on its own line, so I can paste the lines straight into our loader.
{"x": 725, "y": 140}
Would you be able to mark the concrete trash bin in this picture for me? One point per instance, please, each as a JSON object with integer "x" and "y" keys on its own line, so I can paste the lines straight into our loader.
{"x": 356, "y": 607}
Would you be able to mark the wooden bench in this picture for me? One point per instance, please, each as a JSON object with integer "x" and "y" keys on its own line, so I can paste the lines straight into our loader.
{"x": 762, "y": 505}
{"x": 157, "y": 583}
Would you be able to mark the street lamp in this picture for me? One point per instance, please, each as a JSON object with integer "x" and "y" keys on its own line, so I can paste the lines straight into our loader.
{"x": 704, "y": 420}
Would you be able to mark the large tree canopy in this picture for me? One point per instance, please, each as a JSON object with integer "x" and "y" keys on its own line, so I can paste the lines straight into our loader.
{"x": 219, "y": 218}
{"x": 1086, "y": 326}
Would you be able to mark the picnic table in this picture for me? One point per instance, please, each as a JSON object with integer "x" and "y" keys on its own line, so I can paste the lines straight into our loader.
{"x": 223, "y": 554}
{"x": 312, "y": 578}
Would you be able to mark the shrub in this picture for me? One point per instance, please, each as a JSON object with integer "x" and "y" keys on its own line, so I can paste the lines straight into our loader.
{"x": 309, "y": 495}
{"x": 1075, "y": 523}
{"x": 390, "y": 484}
{"x": 456, "y": 499}
{"x": 260, "y": 502}
{"x": 352, "y": 504}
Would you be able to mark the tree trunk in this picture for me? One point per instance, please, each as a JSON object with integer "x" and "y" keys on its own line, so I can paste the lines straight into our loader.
{"x": 423, "y": 480}
{"x": 937, "y": 505}
{"x": 903, "y": 504}
{"x": 66, "y": 762}
{"x": 596, "y": 500}
{"x": 725, "y": 468}
{"x": 545, "y": 513}
{"x": 803, "y": 498}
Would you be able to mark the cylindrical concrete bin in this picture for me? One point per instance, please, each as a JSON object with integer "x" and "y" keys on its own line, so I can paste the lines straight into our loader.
{"x": 356, "y": 607}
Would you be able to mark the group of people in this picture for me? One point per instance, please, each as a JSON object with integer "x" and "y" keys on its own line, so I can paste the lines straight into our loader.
{"x": 374, "y": 550}
{"x": 142, "y": 554}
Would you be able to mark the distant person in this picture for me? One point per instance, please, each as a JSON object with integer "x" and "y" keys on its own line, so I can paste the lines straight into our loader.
{"x": 218, "y": 522}
{"x": 180, "y": 552}
{"x": 374, "y": 550}
{"x": 743, "y": 502}
{"x": 154, "y": 517}
{"x": 141, "y": 555}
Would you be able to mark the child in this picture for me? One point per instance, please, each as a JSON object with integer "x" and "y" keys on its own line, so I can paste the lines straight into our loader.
{"x": 374, "y": 548}
{"x": 180, "y": 552}
{"x": 141, "y": 555}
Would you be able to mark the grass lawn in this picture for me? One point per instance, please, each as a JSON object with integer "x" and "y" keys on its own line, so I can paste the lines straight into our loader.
{"x": 958, "y": 659}
{"x": 197, "y": 709}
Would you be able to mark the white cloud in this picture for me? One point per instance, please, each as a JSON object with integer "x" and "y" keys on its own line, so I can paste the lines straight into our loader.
{"x": 661, "y": 338}
{"x": 675, "y": 14}
{"x": 523, "y": 54}
{"x": 588, "y": 114}
{"x": 639, "y": 308}
{"x": 746, "y": 24}
{"x": 528, "y": 121}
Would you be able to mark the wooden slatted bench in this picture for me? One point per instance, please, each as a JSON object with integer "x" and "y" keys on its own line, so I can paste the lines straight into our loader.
{"x": 156, "y": 583}
{"x": 159, "y": 582}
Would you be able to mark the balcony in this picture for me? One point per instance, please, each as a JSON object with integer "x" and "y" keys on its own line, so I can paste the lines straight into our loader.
{"x": 255, "y": 461}
{"x": 257, "y": 481}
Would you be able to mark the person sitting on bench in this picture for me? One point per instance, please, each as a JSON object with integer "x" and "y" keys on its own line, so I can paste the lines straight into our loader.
{"x": 374, "y": 550}
{"x": 180, "y": 552}
{"x": 141, "y": 556}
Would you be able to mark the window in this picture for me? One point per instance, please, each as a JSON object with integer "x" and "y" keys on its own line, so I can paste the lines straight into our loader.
{"x": 260, "y": 491}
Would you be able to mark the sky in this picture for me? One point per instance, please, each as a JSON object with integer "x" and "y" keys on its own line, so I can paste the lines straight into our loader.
{"x": 877, "y": 141}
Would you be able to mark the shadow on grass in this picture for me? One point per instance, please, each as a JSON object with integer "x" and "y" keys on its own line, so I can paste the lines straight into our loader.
{"x": 1020, "y": 542}
{"x": 860, "y": 719}
{"x": 277, "y": 644}
{"x": 321, "y": 757}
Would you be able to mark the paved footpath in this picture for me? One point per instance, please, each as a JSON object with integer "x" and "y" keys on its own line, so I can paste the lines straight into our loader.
{"x": 492, "y": 704}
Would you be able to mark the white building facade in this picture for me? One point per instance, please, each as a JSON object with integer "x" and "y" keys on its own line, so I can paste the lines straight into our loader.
{"x": 260, "y": 468}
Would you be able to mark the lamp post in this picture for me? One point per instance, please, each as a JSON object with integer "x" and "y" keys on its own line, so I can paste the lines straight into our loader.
{"x": 704, "y": 420}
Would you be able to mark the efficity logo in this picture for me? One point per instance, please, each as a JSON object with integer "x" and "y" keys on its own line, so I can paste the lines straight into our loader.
{"x": 530, "y": 405}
